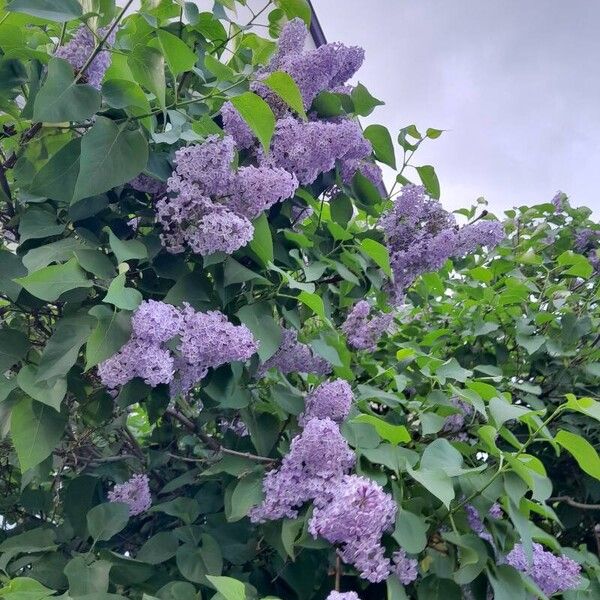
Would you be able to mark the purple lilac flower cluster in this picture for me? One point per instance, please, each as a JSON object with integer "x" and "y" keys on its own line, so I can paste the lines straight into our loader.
{"x": 209, "y": 205}
{"x": 206, "y": 339}
{"x": 293, "y": 356}
{"x": 455, "y": 422}
{"x": 79, "y": 49}
{"x": 552, "y": 574}
{"x": 421, "y": 236}
{"x": 363, "y": 332}
{"x": 330, "y": 400}
{"x": 404, "y": 567}
{"x": 586, "y": 242}
{"x": 149, "y": 185}
{"x": 342, "y": 596}
{"x": 318, "y": 457}
{"x": 308, "y": 148}
{"x": 476, "y": 522}
{"x": 135, "y": 493}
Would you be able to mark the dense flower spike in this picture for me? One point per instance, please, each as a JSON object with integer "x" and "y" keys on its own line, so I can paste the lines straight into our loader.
{"x": 342, "y": 596}
{"x": 331, "y": 399}
{"x": 149, "y": 185}
{"x": 309, "y": 149}
{"x": 293, "y": 356}
{"x": 552, "y": 574}
{"x": 79, "y": 49}
{"x": 236, "y": 127}
{"x": 206, "y": 340}
{"x": 405, "y": 568}
{"x": 135, "y": 493}
{"x": 355, "y": 514}
{"x": 421, "y": 236}
{"x": 318, "y": 457}
{"x": 363, "y": 332}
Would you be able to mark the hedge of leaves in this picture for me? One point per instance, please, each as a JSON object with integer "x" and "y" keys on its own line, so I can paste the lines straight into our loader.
{"x": 235, "y": 366}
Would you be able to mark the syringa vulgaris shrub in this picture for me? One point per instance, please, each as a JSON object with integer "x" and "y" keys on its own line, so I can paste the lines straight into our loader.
{"x": 235, "y": 366}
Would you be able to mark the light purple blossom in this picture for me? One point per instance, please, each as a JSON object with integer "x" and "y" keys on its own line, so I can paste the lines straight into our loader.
{"x": 363, "y": 332}
{"x": 333, "y": 595}
{"x": 235, "y": 126}
{"x": 135, "y": 493}
{"x": 293, "y": 356}
{"x": 355, "y": 513}
{"x": 481, "y": 233}
{"x": 404, "y": 567}
{"x": 558, "y": 200}
{"x": 156, "y": 321}
{"x": 455, "y": 422}
{"x": 476, "y": 522}
{"x": 79, "y": 49}
{"x": 149, "y": 185}
{"x": 331, "y": 399}
{"x": 552, "y": 574}
{"x": 318, "y": 457}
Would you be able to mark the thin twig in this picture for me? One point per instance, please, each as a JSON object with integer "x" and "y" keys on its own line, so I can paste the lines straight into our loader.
{"x": 568, "y": 500}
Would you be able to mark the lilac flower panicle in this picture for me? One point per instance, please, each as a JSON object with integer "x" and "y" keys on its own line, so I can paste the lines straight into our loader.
{"x": 291, "y": 42}
{"x": 293, "y": 356}
{"x": 481, "y": 233}
{"x": 156, "y": 321}
{"x": 135, "y": 493}
{"x": 78, "y": 50}
{"x": 333, "y": 595}
{"x": 149, "y": 185}
{"x": 496, "y": 511}
{"x": 355, "y": 513}
{"x": 552, "y": 574}
{"x": 235, "y": 126}
{"x": 455, "y": 422}
{"x": 256, "y": 189}
{"x": 363, "y": 332}
{"x": 558, "y": 200}
{"x": 318, "y": 457}
{"x": 405, "y": 568}
{"x": 331, "y": 399}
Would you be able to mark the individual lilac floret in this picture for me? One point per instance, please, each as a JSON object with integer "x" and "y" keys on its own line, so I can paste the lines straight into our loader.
{"x": 208, "y": 165}
{"x": 342, "y": 596}
{"x": 318, "y": 457}
{"x": 405, "y": 568}
{"x": 79, "y": 49}
{"x": 137, "y": 358}
{"x": 209, "y": 339}
{"x": 355, "y": 513}
{"x": 331, "y": 399}
{"x": 481, "y": 233}
{"x": 149, "y": 185}
{"x": 552, "y": 574}
{"x": 256, "y": 189}
{"x": 293, "y": 356}
{"x": 363, "y": 332}
{"x": 135, "y": 493}
{"x": 156, "y": 321}
{"x": 455, "y": 422}
{"x": 309, "y": 149}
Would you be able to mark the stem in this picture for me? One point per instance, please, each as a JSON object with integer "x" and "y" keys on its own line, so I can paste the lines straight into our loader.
{"x": 568, "y": 500}
{"x": 338, "y": 572}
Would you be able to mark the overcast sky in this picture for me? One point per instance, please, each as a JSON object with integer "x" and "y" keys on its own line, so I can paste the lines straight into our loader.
{"x": 514, "y": 82}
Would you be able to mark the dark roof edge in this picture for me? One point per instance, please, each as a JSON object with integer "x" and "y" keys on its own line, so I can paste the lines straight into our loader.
{"x": 316, "y": 31}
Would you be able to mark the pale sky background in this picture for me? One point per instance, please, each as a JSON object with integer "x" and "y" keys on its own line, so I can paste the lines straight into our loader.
{"x": 514, "y": 82}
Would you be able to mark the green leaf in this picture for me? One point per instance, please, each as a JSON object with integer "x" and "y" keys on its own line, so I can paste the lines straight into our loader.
{"x": 436, "y": 482}
{"x": 111, "y": 155}
{"x": 147, "y": 65}
{"x": 57, "y": 178}
{"x": 50, "y": 282}
{"x": 247, "y": 493}
{"x": 379, "y": 253}
{"x": 411, "y": 532}
{"x": 314, "y": 302}
{"x": 429, "y": 180}
{"x": 451, "y": 369}
{"x": 177, "y": 53}
{"x": 37, "y": 223}
{"x": 396, "y": 434}
{"x": 229, "y": 588}
{"x": 364, "y": 103}
{"x": 433, "y": 134}
{"x": 121, "y": 296}
{"x": 341, "y": 209}
{"x": 258, "y": 115}
{"x": 110, "y": 335}
{"x": 196, "y": 563}
{"x": 25, "y": 588}
{"x": 186, "y": 509}
{"x": 14, "y": 345}
{"x": 126, "y": 249}
{"x": 296, "y": 8}
{"x": 122, "y": 93}
{"x": 49, "y": 394}
{"x": 106, "y": 520}
{"x": 258, "y": 318}
{"x": 11, "y": 268}
{"x": 586, "y": 406}
{"x": 582, "y": 451}
{"x": 95, "y": 262}
{"x": 61, "y": 99}
{"x": 87, "y": 578}
{"x": 285, "y": 87}
{"x": 262, "y": 242}
{"x": 234, "y": 272}
{"x": 159, "y": 548}
{"x": 383, "y": 147}
{"x": 395, "y": 590}
{"x": 503, "y": 411}
{"x": 507, "y": 583}
{"x": 35, "y": 430}
{"x": 53, "y": 10}
{"x": 579, "y": 266}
